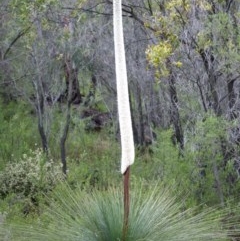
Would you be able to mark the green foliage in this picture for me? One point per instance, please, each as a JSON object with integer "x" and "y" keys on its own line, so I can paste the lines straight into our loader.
{"x": 213, "y": 173}
{"x": 94, "y": 159}
{"x": 203, "y": 169}
{"x": 158, "y": 55}
{"x": 25, "y": 9}
{"x": 16, "y": 131}
{"x": 221, "y": 35}
{"x": 164, "y": 164}
{"x": 167, "y": 28}
{"x": 98, "y": 216}
{"x": 28, "y": 178}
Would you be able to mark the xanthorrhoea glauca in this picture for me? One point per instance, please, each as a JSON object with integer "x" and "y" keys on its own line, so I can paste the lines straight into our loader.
{"x": 125, "y": 121}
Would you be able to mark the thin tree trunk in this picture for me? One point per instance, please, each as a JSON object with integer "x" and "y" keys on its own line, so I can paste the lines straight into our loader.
{"x": 43, "y": 136}
{"x": 201, "y": 95}
{"x": 140, "y": 117}
{"x": 64, "y": 138}
{"x": 212, "y": 95}
{"x": 134, "y": 126}
{"x": 175, "y": 116}
{"x": 70, "y": 79}
{"x": 231, "y": 99}
{"x": 40, "y": 91}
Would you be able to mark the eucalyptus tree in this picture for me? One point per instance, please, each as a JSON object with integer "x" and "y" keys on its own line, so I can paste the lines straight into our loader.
{"x": 27, "y": 75}
{"x": 41, "y": 60}
{"x": 196, "y": 44}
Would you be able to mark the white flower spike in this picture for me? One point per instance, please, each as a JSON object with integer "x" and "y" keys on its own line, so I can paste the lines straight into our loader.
{"x": 125, "y": 122}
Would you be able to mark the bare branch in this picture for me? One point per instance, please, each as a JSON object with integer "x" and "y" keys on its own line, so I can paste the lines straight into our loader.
{"x": 19, "y": 35}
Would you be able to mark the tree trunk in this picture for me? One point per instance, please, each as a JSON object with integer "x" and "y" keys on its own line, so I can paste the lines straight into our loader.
{"x": 40, "y": 107}
{"x": 71, "y": 75}
{"x": 140, "y": 117}
{"x": 71, "y": 78}
{"x": 231, "y": 99}
{"x": 64, "y": 138}
{"x": 126, "y": 201}
{"x": 212, "y": 95}
{"x": 40, "y": 91}
{"x": 134, "y": 125}
{"x": 43, "y": 136}
{"x": 174, "y": 112}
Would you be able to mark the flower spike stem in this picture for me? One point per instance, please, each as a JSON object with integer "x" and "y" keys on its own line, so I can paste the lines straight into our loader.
{"x": 126, "y": 197}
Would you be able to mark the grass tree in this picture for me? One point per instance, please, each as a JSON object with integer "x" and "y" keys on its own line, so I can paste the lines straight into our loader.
{"x": 77, "y": 215}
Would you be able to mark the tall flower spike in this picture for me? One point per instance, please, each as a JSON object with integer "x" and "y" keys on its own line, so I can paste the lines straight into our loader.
{"x": 125, "y": 121}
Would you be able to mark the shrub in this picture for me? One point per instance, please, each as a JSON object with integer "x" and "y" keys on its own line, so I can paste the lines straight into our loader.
{"x": 214, "y": 176}
{"x": 33, "y": 175}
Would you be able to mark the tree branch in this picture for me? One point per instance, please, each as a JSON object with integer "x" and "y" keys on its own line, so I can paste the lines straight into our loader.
{"x": 19, "y": 35}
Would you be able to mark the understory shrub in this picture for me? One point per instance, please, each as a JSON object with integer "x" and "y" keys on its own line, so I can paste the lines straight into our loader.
{"x": 214, "y": 176}
{"x": 26, "y": 179}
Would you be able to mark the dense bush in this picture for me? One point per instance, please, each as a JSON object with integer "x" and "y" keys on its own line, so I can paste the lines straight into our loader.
{"x": 205, "y": 169}
{"x": 214, "y": 177}
{"x": 29, "y": 177}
